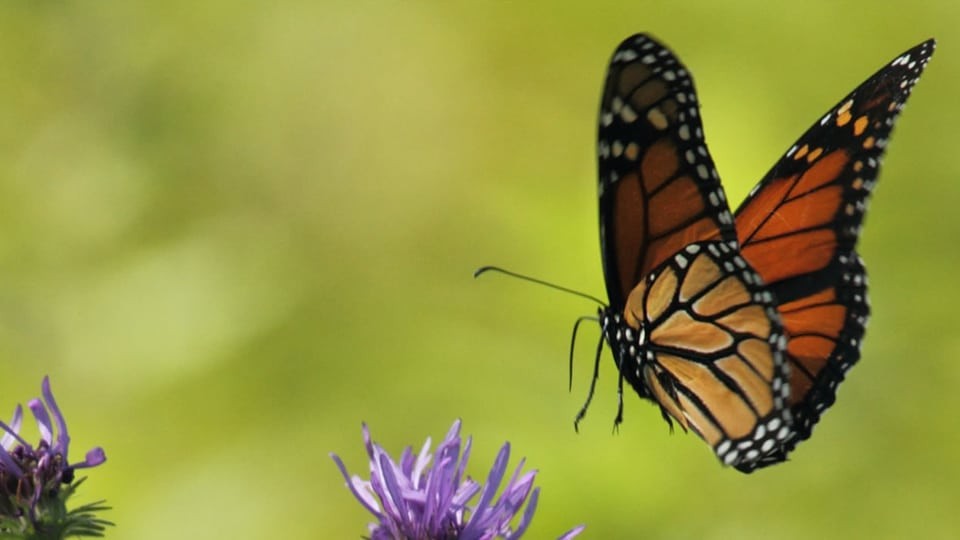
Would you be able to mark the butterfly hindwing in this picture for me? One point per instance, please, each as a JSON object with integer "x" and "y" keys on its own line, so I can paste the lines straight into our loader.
{"x": 825, "y": 331}
{"x": 799, "y": 228}
{"x": 658, "y": 188}
{"x": 711, "y": 349}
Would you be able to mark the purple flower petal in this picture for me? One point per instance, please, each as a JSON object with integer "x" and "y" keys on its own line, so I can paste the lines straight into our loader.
{"x": 398, "y": 503}
{"x": 10, "y": 433}
{"x": 423, "y": 459}
{"x": 7, "y": 464}
{"x": 96, "y": 456}
{"x": 453, "y": 434}
{"x": 63, "y": 437}
{"x": 14, "y": 433}
{"x": 463, "y": 462}
{"x": 406, "y": 462}
{"x": 43, "y": 420}
{"x": 467, "y": 490}
{"x": 364, "y": 497}
{"x": 572, "y": 532}
{"x": 527, "y": 515}
{"x": 479, "y": 520}
{"x": 367, "y": 441}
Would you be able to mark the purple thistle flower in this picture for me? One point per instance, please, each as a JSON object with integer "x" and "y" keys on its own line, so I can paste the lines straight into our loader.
{"x": 412, "y": 501}
{"x": 36, "y": 481}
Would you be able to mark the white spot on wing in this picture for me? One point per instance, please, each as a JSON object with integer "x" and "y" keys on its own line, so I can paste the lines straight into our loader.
{"x": 626, "y": 55}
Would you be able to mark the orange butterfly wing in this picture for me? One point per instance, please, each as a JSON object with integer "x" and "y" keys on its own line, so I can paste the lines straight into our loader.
{"x": 658, "y": 188}
{"x": 799, "y": 228}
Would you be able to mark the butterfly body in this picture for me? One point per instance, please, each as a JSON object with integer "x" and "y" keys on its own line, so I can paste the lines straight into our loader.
{"x": 739, "y": 326}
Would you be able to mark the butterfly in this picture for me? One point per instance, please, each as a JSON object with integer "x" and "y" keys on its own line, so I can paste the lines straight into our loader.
{"x": 740, "y": 326}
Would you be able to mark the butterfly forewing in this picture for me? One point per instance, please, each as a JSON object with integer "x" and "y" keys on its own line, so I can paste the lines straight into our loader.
{"x": 800, "y": 225}
{"x": 658, "y": 188}
{"x": 809, "y": 207}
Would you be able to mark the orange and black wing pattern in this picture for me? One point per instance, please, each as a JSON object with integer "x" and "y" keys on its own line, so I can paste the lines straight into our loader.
{"x": 799, "y": 228}
{"x": 658, "y": 188}
{"x": 701, "y": 336}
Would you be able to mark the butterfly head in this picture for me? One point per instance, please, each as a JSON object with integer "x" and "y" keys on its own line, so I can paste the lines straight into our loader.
{"x": 627, "y": 337}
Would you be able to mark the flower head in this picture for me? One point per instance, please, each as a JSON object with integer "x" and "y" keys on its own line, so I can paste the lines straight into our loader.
{"x": 414, "y": 501}
{"x": 35, "y": 481}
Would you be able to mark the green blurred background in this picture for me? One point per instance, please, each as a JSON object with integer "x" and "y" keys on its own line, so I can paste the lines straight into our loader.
{"x": 231, "y": 232}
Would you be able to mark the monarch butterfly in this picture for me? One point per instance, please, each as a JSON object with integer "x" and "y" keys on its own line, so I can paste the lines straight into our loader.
{"x": 739, "y": 326}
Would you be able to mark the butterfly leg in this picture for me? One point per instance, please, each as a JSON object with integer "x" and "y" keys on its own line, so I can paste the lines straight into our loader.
{"x": 667, "y": 384}
{"x": 619, "y": 419}
{"x": 573, "y": 342}
{"x": 593, "y": 386}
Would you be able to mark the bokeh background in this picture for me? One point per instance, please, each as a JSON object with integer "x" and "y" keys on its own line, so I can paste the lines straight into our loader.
{"x": 231, "y": 232}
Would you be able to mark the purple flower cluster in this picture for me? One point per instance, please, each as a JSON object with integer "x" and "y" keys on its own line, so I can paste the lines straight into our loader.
{"x": 31, "y": 477}
{"x": 413, "y": 501}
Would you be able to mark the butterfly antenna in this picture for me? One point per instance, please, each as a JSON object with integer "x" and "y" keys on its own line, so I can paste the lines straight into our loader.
{"x": 573, "y": 342}
{"x": 593, "y": 386}
{"x": 483, "y": 270}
